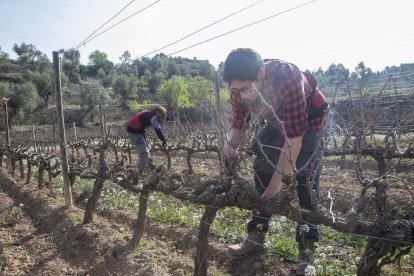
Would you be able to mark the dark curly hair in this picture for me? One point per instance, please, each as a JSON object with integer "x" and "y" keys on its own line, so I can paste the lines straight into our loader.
{"x": 242, "y": 64}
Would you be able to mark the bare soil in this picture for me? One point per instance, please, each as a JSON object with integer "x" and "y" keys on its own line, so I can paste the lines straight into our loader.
{"x": 39, "y": 236}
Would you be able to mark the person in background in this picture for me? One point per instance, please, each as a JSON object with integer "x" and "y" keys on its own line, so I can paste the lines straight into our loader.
{"x": 136, "y": 127}
{"x": 278, "y": 91}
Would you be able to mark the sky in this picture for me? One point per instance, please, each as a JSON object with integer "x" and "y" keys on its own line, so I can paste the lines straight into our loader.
{"x": 310, "y": 34}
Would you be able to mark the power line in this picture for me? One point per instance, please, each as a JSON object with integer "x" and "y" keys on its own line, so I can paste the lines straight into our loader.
{"x": 83, "y": 41}
{"x": 141, "y": 10}
{"x": 366, "y": 47}
{"x": 245, "y": 26}
{"x": 199, "y": 30}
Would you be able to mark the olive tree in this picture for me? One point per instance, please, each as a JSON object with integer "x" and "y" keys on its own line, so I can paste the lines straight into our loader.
{"x": 23, "y": 98}
{"x": 126, "y": 87}
{"x": 45, "y": 84}
{"x": 174, "y": 93}
{"x": 90, "y": 95}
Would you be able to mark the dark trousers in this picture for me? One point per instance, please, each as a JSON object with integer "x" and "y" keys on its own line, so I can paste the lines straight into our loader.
{"x": 260, "y": 220}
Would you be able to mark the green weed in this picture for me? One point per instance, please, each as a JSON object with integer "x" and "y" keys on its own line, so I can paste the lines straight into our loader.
{"x": 12, "y": 219}
{"x": 283, "y": 247}
{"x": 86, "y": 186}
{"x": 78, "y": 218}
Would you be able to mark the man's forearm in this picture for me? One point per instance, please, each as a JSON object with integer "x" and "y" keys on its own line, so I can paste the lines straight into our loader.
{"x": 234, "y": 137}
{"x": 287, "y": 158}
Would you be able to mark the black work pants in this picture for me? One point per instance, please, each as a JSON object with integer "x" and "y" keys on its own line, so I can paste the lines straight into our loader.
{"x": 260, "y": 220}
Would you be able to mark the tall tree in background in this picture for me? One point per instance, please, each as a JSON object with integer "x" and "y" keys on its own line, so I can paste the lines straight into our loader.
{"x": 45, "y": 84}
{"x": 125, "y": 58}
{"x": 326, "y": 79}
{"x": 155, "y": 81}
{"x": 90, "y": 95}
{"x": 141, "y": 66}
{"x": 362, "y": 74}
{"x": 207, "y": 70}
{"x": 23, "y": 98}
{"x": 126, "y": 87}
{"x": 159, "y": 63}
{"x": 174, "y": 93}
{"x": 200, "y": 91}
{"x": 71, "y": 64}
{"x": 173, "y": 69}
{"x": 99, "y": 60}
{"x": 125, "y": 67}
{"x": 28, "y": 54}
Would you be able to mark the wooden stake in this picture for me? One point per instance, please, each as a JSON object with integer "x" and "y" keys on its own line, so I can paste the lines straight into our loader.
{"x": 54, "y": 128}
{"x": 74, "y": 131}
{"x": 6, "y": 126}
{"x": 34, "y": 138}
{"x": 102, "y": 121}
{"x": 62, "y": 137}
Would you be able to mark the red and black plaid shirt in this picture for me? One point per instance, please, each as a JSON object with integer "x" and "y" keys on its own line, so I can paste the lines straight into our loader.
{"x": 285, "y": 89}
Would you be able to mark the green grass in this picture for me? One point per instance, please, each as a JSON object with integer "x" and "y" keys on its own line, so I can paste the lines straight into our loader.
{"x": 356, "y": 242}
{"x": 283, "y": 247}
{"x": 85, "y": 186}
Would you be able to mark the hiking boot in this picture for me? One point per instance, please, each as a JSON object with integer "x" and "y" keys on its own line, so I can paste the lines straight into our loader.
{"x": 252, "y": 244}
{"x": 306, "y": 250}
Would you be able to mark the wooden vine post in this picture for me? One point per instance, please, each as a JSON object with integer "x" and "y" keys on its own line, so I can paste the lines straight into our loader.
{"x": 102, "y": 121}
{"x": 6, "y": 127}
{"x": 62, "y": 136}
{"x": 34, "y": 138}
{"x": 74, "y": 132}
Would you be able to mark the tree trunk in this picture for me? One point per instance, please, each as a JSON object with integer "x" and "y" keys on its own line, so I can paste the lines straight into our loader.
{"x": 29, "y": 172}
{"x": 189, "y": 165}
{"x": 13, "y": 166}
{"x": 139, "y": 227}
{"x": 40, "y": 176}
{"x": 21, "y": 168}
{"x": 142, "y": 215}
{"x": 93, "y": 200}
{"x": 201, "y": 257}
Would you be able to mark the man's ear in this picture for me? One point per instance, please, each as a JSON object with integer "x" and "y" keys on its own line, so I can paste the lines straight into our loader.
{"x": 261, "y": 74}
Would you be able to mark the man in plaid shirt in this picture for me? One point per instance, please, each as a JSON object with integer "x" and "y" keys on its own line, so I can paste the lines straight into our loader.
{"x": 281, "y": 94}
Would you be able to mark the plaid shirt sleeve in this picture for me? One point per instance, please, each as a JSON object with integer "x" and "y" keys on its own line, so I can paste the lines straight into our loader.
{"x": 238, "y": 113}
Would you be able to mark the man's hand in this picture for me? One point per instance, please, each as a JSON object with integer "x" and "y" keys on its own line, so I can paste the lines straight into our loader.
{"x": 229, "y": 151}
{"x": 274, "y": 187}
{"x": 251, "y": 95}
